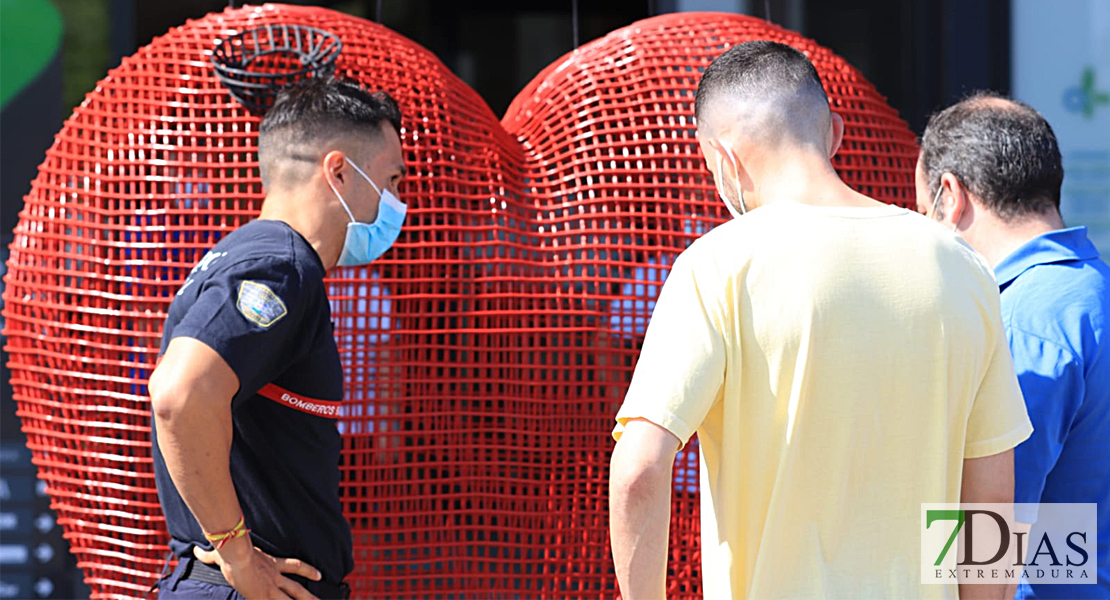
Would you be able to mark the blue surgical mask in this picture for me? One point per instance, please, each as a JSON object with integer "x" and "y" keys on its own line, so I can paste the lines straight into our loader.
{"x": 721, "y": 190}
{"x": 365, "y": 242}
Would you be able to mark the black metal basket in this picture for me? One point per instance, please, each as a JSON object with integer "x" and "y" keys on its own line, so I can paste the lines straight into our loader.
{"x": 255, "y": 65}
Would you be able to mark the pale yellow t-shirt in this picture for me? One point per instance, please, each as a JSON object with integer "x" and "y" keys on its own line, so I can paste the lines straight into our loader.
{"x": 838, "y": 365}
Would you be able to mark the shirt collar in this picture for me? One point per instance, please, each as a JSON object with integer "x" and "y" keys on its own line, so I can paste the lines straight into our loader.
{"x": 1055, "y": 246}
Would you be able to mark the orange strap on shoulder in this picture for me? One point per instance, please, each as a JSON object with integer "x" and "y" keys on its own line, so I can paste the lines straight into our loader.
{"x": 320, "y": 408}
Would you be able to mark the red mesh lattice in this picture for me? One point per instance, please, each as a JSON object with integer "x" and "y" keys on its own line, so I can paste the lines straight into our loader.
{"x": 485, "y": 354}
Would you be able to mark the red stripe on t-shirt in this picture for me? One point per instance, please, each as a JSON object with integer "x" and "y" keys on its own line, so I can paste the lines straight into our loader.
{"x": 320, "y": 408}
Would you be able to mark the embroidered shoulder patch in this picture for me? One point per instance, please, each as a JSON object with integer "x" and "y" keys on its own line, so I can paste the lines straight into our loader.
{"x": 259, "y": 304}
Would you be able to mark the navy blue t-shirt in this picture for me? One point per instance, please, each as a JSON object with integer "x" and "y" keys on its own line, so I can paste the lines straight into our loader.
{"x": 258, "y": 299}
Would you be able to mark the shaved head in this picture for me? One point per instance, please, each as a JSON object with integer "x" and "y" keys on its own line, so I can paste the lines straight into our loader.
{"x": 768, "y": 92}
{"x": 315, "y": 116}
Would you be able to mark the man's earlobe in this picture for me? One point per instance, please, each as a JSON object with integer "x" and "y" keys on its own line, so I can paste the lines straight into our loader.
{"x": 333, "y": 165}
{"x": 837, "y": 132}
{"x": 957, "y": 198}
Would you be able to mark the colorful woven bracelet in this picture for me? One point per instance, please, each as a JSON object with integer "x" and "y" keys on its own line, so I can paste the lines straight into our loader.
{"x": 219, "y": 539}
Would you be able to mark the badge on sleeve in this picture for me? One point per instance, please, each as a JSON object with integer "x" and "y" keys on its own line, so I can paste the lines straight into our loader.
{"x": 259, "y": 304}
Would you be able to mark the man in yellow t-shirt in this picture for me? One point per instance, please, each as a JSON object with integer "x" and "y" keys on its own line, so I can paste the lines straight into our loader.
{"x": 841, "y": 360}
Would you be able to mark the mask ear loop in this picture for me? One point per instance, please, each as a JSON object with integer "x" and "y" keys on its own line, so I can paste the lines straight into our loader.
{"x": 364, "y": 176}
{"x": 936, "y": 200}
{"x": 340, "y": 196}
{"x": 390, "y": 200}
{"x": 721, "y": 174}
{"x": 936, "y": 203}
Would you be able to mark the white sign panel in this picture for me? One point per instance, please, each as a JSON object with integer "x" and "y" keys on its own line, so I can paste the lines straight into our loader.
{"x": 1061, "y": 67}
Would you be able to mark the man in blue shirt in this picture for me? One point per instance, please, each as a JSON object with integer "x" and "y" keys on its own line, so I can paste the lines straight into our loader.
{"x": 990, "y": 170}
{"x": 249, "y": 383}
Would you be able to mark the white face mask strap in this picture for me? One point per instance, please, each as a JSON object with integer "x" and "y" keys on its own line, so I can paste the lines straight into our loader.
{"x": 341, "y": 200}
{"x": 936, "y": 203}
{"x": 364, "y": 176}
{"x": 721, "y": 174}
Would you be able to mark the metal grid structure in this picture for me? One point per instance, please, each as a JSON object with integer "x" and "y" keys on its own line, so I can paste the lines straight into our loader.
{"x": 485, "y": 355}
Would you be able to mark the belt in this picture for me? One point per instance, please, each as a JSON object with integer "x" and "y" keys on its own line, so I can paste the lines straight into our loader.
{"x": 199, "y": 571}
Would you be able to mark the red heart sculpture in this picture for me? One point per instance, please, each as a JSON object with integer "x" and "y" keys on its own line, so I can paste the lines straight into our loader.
{"x": 485, "y": 355}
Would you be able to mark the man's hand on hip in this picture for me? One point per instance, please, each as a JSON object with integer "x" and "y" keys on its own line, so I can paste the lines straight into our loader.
{"x": 257, "y": 575}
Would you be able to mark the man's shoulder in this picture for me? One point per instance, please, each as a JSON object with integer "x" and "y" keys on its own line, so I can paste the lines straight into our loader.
{"x": 1084, "y": 281}
{"x": 952, "y": 253}
{"x": 1058, "y": 302}
{"x": 738, "y": 235}
{"x": 896, "y": 232}
{"x": 268, "y": 245}
{"x": 259, "y": 239}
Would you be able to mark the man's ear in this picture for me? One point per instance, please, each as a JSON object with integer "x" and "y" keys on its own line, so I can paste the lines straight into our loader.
{"x": 702, "y": 145}
{"x": 836, "y": 132}
{"x": 955, "y": 199}
{"x": 335, "y": 164}
{"x": 727, "y": 156}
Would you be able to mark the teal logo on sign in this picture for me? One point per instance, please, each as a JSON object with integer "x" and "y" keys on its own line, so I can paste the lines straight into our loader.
{"x": 1085, "y": 97}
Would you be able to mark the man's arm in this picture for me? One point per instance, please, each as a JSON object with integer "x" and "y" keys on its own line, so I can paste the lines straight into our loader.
{"x": 191, "y": 392}
{"x": 640, "y": 508}
{"x": 989, "y": 479}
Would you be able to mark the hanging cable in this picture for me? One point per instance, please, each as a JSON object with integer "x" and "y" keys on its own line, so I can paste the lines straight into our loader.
{"x": 379, "y": 17}
{"x": 767, "y": 11}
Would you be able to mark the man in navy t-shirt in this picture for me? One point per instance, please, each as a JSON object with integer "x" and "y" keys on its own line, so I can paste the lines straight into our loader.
{"x": 248, "y": 385}
{"x": 990, "y": 169}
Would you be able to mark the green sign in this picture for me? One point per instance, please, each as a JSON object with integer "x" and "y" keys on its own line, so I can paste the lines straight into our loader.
{"x": 30, "y": 36}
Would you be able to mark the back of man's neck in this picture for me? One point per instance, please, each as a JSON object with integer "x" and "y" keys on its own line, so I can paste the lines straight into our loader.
{"x": 1005, "y": 238}
{"x": 809, "y": 180}
{"x": 305, "y": 222}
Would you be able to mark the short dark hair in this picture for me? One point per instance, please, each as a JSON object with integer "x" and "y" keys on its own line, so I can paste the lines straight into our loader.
{"x": 757, "y": 70}
{"x": 319, "y": 109}
{"x": 1003, "y": 151}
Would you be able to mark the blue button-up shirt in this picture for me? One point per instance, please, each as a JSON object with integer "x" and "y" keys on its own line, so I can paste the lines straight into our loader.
{"x": 1056, "y": 309}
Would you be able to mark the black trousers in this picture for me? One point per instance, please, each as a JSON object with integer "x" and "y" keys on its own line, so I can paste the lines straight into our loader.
{"x": 194, "y": 580}
{"x": 178, "y": 587}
